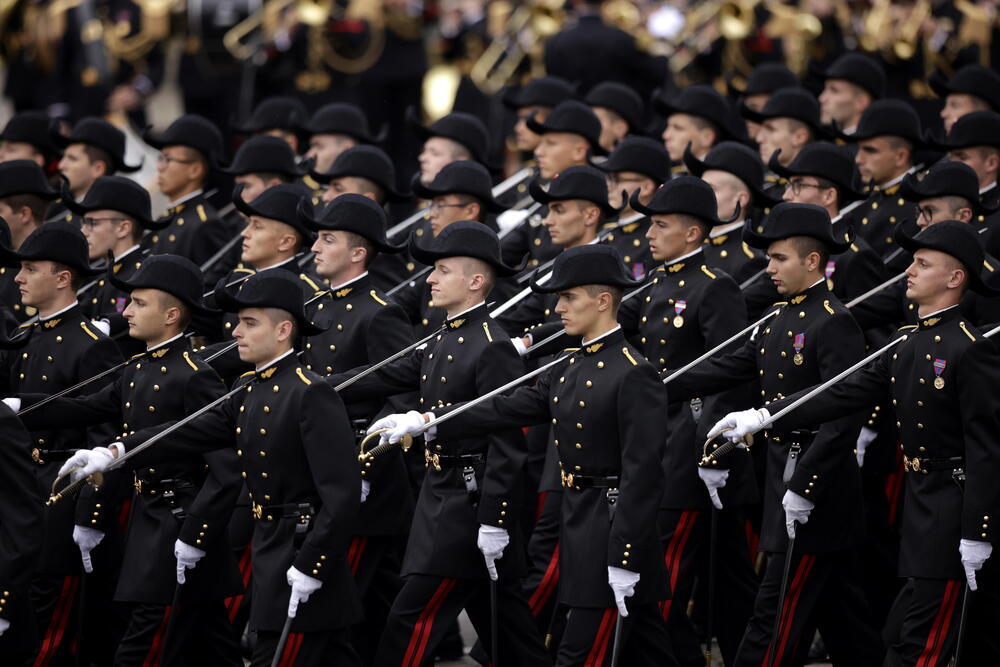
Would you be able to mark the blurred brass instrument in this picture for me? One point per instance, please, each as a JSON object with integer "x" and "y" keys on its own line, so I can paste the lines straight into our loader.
{"x": 892, "y": 30}
{"x": 154, "y": 27}
{"x": 519, "y": 34}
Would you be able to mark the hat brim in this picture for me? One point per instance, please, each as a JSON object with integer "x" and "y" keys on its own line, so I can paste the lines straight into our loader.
{"x": 391, "y": 193}
{"x": 847, "y": 190}
{"x": 429, "y": 257}
{"x": 422, "y": 191}
{"x": 247, "y": 209}
{"x": 762, "y": 241}
{"x": 307, "y": 220}
{"x": 119, "y": 163}
{"x": 715, "y": 221}
{"x": 197, "y": 307}
{"x": 623, "y": 282}
{"x": 542, "y": 128}
{"x": 913, "y": 244}
{"x": 229, "y": 302}
{"x": 542, "y": 196}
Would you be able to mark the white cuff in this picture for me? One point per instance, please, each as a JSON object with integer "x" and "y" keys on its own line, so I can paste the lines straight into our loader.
{"x": 13, "y": 403}
{"x": 519, "y": 345}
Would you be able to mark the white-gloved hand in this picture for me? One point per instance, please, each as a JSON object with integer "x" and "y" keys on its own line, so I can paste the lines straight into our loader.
{"x": 797, "y": 510}
{"x": 366, "y": 488}
{"x": 302, "y": 587}
{"x": 13, "y": 403}
{"x": 103, "y": 326}
{"x": 187, "y": 557}
{"x": 492, "y": 541}
{"x": 865, "y": 438}
{"x": 87, "y": 462}
{"x": 4, "y": 624}
{"x": 735, "y": 425}
{"x": 974, "y": 554}
{"x": 622, "y": 584}
{"x": 87, "y": 540}
{"x": 399, "y": 424}
{"x": 714, "y": 479}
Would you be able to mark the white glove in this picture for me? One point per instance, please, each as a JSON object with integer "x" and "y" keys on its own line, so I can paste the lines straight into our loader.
{"x": 865, "y": 438}
{"x": 103, "y": 326}
{"x": 622, "y": 584}
{"x": 797, "y": 510}
{"x": 187, "y": 557}
{"x": 4, "y": 624}
{"x": 492, "y": 541}
{"x": 974, "y": 554}
{"x": 735, "y": 425}
{"x": 714, "y": 479}
{"x": 302, "y": 587}
{"x": 87, "y": 462}
{"x": 399, "y": 424}
{"x": 366, "y": 488}
{"x": 13, "y": 403}
{"x": 87, "y": 540}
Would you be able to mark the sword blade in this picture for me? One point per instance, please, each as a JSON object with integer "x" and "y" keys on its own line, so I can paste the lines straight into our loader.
{"x": 736, "y": 336}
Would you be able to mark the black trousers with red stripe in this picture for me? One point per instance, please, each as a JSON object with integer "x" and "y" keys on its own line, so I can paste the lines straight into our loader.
{"x": 375, "y": 561}
{"x": 542, "y": 581}
{"x": 426, "y": 606}
{"x": 588, "y": 639}
{"x": 823, "y": 593}
{"x": 306, "y": 649}
{"x": 56, "y": 603}
{"x": 922, "y": 629}
{"x": 200, "y": 634}
{"x": 685, "y": 537}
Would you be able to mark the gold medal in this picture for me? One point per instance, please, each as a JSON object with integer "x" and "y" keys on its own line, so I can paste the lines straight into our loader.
{"x": 678, "y": 322}
{"x": 797, "y": 359}
{"x": 939, "y": 382}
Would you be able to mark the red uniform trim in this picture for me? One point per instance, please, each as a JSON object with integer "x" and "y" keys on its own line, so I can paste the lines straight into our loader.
{"x": 602, "y": 638}
{"x": 290, "y": 654}
{"x": 790, "y": 605}
{"x": 355, "y": 551}
{"x": 57, "y": 624}
{"x": 246, "y": 568}
{"x": 939, "y": 630}
{"x": 675, "y": 551}
{"x": 542, "y": 495}
{"x": 547, "y": 585}
{"x": 425, "y": 622}
{"x": 156, "y": 646}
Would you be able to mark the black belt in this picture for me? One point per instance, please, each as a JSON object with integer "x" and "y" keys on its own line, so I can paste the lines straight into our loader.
{"x": 302, "y": 511}
{"x": 160, "y": 487}
{"x": 360, "y": 427}
{"x": 43, "y": 456}
{"x": 931, "y": 465}
{"x": 440, "y": 461}
{"x": 574, "y": 481}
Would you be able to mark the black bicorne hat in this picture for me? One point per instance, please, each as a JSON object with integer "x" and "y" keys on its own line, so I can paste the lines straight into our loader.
{"x": 350, "y": 213}
{"x": 193, "y": 131}
{"x": 264, "y": 154}
{"x": 268, "y": 289}
{"x": 24, "y": 177}
{"x": 369, "y": 162}
{"x": 958, "y": 239}
{"x": 465, "y": 238}
{"x": 578, "y": 182}
{"x": 116, "y": 193}
{"x": 788, "y": 219}
{"x": 543, "y": 91}
{"x": 464, "y": 177}
{"x": 594, "y": 264}
{"x": 823, "y": 160}
{"x": 572, "y": 117}
{"x": 168, "y": 273}
{"x": 280, "y": 202}
{"x": 737, "y": 159}
{"x": 57, "y": 241}
{"x": 99, "y": 133}
{"x": 684, "y": 195}
{"x": 346, "y": 119}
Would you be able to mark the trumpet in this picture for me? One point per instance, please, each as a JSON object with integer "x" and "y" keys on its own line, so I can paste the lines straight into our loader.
{"x": 266, "y": 21}
{"x": 522, "y": 32}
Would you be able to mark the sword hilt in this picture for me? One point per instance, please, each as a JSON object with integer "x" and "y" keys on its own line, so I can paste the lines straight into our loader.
{"x": 406, "y": 442}
{"x": 717, "y": 448}
{"x": 96, "y": 479}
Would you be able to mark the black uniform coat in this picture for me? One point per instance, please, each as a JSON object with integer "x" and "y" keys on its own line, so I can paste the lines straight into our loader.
{"x": 708, "y": 307}
{"x": 631, "y": 241}
{"x": 62, "y": 351}
{"x": 854, "y": 271}
{"x": 604, "y": 405}
{"x": 827, "y": 472}
{"x": 469, "y": 358}
{"x": 363, "y": 328}
{"x": 954, "y": 417}
{"x": 729, "y": 253}
{"x": 105, "y": 301}
{"x": 193, "y": 230}
{"x": 161, "y": 385}
{"x": 875, "y": 221}
{"x": 295, "y": 445}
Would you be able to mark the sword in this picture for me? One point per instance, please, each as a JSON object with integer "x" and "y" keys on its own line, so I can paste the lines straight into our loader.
{"x": 781, "y": 600}
{"x": 875, "y": 290}
{"x": 392, "y": 357}
{"x": 616, "y": 646}
{"x": 736, "y": 336}
{"x": 961, "y": 625}
{"x": 282, "y": 641}
{"x": 712, "y": 536}
{"x": 82, "y": 383}
{"x": 494, "y": 634}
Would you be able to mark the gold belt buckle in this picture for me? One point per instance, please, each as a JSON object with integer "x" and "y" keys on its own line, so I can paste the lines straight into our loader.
{"x": 36, "y": 456}
{"x": 911, "y": 464}
{"x": 432, "y": 459}
{"x": 137, "y": 483}
{"x": 566, "y": 478}
{"x": 257, "y": 510}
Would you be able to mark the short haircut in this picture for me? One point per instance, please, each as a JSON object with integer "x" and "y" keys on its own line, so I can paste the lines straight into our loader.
{"x": 474, "y": 265}
{"x": 38, "y": 206}
{"x": 617, "y": 294}
{"x": 954, "y": 203}
{"x": 895, "y": 143}
{"x": 279, "y": 315}
{"x": 168, "y": 301}
{"x": 459, "y": 151}
{"x": 267, "y": 176}
{"x": 136, "y": 228}
{"x": 702, "y": 123}
{"x": 368, "y": 185}
{"x": 75, "y": 277}
{"x": 358, "y": 241}
{"x": 805, "y": 245}
{"x": 95, "y": 154}
{"x": 794, "y": 125}
{"x": 584, "y": 204}
{"x": 691, "y": 220}
{"x": 196, "y": 155}
{"x": 986, "y": 151}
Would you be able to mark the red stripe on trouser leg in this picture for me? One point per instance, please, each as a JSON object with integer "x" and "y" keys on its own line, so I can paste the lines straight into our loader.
{"x": 548, "y": 584}
{"x": 600, "y": 646}
{"x": 291, "y": 651}
{"x": 156, "y": 646}
{"x": 675, "y": 551}
{"x": 246, "y": 568}
{"x": 790, "y": 604}
{"x": 542, "y": 495}
{"x": 57, "y": 624}
{"x": 939, "y": 629}
{"x": 425, "y": 622}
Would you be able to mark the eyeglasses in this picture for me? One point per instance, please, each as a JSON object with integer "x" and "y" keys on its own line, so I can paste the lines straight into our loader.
{"x": 796, "y": 186}
{"x": 165, "y": 159}
{"x": 927, "y": 212}
{"x": 437, "y": 207}
{"x": 90, "y": 223}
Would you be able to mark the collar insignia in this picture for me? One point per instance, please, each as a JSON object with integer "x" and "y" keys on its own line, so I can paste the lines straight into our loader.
{"x": 931, "y": 321}
{"x": 268, "y": 373}
{"x": 341, "y": 293}
{"x": 49, "y": 324}
{"x": 454, "y": 324}
{"x": 796, "y": 300}
{"x": 117, "y": 267}
{"x": 719, "y": 240}
{"x": 674, "y": 268}
{"x": 159, "y": 353}
{"x": 591, "y": 349}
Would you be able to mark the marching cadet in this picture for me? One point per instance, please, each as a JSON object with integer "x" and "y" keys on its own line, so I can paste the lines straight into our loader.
{"x": 460, "y": 191}
{"x": 190, "y": 148}
{"x": 262, "y": 162}
{"x": 765, "y": 79}
{"x": 689, "y": 309}
{"x": 114, "y": 214}
{"x": 611, "y": 562}
{"x": 823, "y": 174}
{"x": 788, "y": 122}
{"x": 941, "y": 378}
{"x": 636, "y": 163}
{"x": 21, "y": 507}
{"x": 94, "y": 148}
{"x": 811, "y": 338}
{"x": 850, "y": 85}
{"x": 457, "y": 136}
{"x": 535, "y": 99}
{"x": 25, "y": 196}
{"x": 294, "y": 441}
{"x": 975, "y": 140}
{"x": 736, "y": 175}
{"x": 333, "y": 129}
{"x": 472, "y": 485}
{"x": 281, "y": 117}
{"x": 181, "y": 508}
{"x": 972, "y": 87}
{"x": 698, "y": 117}
{"x": 887, "y": 137}
{"x": 363, "y": 328}
{"x": 27, "y": 136}
{"x": 620, "y": 110}
{"x": 54, "y": 352}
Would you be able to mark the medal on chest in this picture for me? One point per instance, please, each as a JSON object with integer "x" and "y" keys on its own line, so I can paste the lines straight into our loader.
{"x": 679, "y": 307}
{"x": 798, "y": 343}
{"x": 939, "y": 366}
